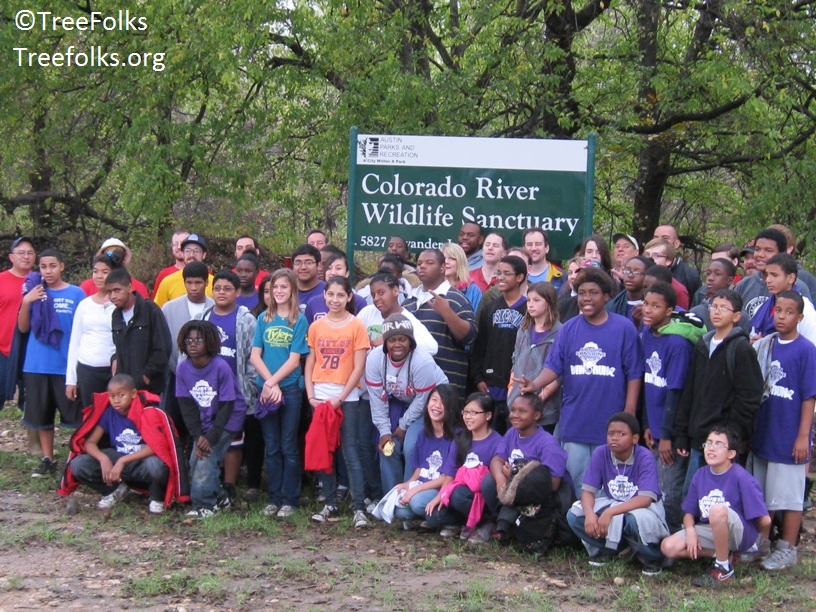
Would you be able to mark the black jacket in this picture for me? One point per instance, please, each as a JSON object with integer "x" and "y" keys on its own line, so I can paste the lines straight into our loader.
{"x": 491, "y": 360}
{"x": 143, "y": 345}
{"x": 718, "y": 392}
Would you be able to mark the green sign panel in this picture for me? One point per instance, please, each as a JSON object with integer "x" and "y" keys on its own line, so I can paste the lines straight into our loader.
{"x": 424, "y": 188}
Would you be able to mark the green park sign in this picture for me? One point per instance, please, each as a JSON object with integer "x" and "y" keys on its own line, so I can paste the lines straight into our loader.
{"x": 424, "y": 188}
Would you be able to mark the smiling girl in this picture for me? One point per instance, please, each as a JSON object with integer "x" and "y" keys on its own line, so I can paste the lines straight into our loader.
{"x": 338, "y": 344}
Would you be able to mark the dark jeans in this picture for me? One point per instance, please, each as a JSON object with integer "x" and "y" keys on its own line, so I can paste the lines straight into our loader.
{"x": 254, "y": 454}
{"x": 4, "y": 383}
{"x": 696, "y": 460}
{"x": 91, "y": 380}
{"x": 456, "y": 512}
{"x": 149, "y": 473}
{"x": 355, "y": 438}
{"x": 280, "y": 434}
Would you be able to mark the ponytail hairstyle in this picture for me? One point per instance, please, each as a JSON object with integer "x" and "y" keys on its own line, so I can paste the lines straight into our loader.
{"x": 464, "y": 438}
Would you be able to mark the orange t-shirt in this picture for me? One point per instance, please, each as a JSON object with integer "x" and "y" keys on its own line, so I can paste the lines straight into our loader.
{"x": 334, "y": 349}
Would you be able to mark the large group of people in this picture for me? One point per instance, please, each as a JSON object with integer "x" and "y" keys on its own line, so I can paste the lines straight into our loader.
{"x": 479, "y": 391}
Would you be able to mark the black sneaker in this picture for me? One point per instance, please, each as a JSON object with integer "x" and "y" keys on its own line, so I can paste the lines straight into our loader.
{"x": 328, "y": 512}
{"x": 232, "y": 494}
{"x": 223, "y": 502}
{"x": 340, "y": 496}
{"x": 652, "y": 568}
{"x": 602, "y": 558}
{"x": 47, "y": 467}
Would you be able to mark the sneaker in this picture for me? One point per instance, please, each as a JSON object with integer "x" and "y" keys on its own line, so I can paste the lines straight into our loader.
{"x": 603, "y": 558}
{"x": 482, "y": 535}
{"x": 340, "y": 496}
{"x": 156, "y": 507}
{"x": 285, "y": 511}
{"x": 201, "y": 513}
{"x": 783, "y": 556}
{"x": 223, "y": 502}
{"x": 759, "y": 551}
{"x": 328, "y": 512}
{"x": 714, "y": 575}
{"x": 46, "y": 467}
{"x": 409, "y": 525}
{"x": 252, "y": 495}
{"x": 466, "y": 532}
{"x": 270, "y": 510}
{"x": 652, "y": 568}
{"x": 110, "y": 500}
{"x": 426, "y": 525}
{"x": 360, "y": 520}
{"x": 449, "y": 531}
{"x": 232, "y": 494}
{"x": 372, "y": 505}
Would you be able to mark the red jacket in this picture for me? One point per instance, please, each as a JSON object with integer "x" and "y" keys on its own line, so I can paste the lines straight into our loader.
{"x": 323, "y": 437}
{"x": 157, "y": 430}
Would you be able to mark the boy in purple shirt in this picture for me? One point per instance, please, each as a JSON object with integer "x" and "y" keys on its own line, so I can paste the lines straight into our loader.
{"x": 598, "y": 357}
{"x": 725, "y": 511}
{"x": 528, "y": 471}
{"x": 620, "y": 503}
{"x": 213, "y": 410}
{"x": 784, "y": 424}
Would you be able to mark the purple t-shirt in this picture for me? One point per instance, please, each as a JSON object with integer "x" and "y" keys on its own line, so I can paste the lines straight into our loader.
{"x": 124, "y": 436}
{"x": 208, "y": 386}
{"x": 226, "y": 329}
{"x": 316, "y": 307}
{"x": 482, "y": 451}
{"x": 667, "y": 360}
{"x": 540, "y": 445}
{"x": 622, "y": 481}
{"x": 595, "y": 362}
{"x": 737, "y": 489}
{"x": 434, "y": 457}
{"x": 792, "y": 380}
{"x": 305, "y": 296}
{"x": 250, "y": 301}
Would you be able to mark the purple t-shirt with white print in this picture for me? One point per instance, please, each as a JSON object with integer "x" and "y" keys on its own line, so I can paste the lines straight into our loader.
{"x": 622, "y": 481}
{"x": 667, "y": 360}
{"x": 595, "y": 362}
{"x": 226, "y": 329}
{"x": 735, "y": 488}
{"x": 482, "y": 451}
{"x": 540, "y": 445}
{"x": 208, "y": 386}
{"x": 792, "y": 379}
{"x": 434, "y": 457}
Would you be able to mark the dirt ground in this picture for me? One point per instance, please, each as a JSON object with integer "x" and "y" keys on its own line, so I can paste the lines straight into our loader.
{"x": 64, "y": 553}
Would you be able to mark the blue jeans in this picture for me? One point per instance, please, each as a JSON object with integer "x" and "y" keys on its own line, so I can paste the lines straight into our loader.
{"x": 355, "y": 438}
{"x": 456, "y": 512}
{"x": 671, "y": 479}
{"x": 5, "y": 374}
{"x": 416, "y": 506}
{"x": 631, "y": 536}
{"x": 280, "y": 434}
{"x": 696, "y": 460}
{"x": 205, "y": 474}
{"x": 578, "y": 456}
{"x": 399, "y": 467}
{"x": 150, "y": 473}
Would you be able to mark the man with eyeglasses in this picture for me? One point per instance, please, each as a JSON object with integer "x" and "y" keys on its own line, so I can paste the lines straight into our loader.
{"x": 628, "y": 302}
{"x": 175, "y": 246}
{"x": 22, "y": 257}
{"x": 193, "y": 248}
{"x": 305, "y": 260}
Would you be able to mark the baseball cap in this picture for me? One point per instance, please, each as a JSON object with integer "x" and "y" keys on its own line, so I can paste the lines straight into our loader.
{"x": 194, "y": 239}
{"x": 630, "y": 239}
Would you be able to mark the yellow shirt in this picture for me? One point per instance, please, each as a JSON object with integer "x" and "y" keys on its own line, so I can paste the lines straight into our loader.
{"x": 172, "y": 286}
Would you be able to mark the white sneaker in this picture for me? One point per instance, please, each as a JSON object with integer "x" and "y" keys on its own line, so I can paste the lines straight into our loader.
{"x": 783, "y": 556}
{"x": 201, "y": 513}
{"x": 270, "y": 510}
{"x": 360, "y": 520}
{"x": 371, "y": 506}
{"x": 110, "y": 500}
{"x": 285, "y": 511}
{"x": 156, "y": 507}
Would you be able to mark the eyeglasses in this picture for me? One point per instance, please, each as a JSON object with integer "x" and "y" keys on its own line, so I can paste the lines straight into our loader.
{"x": 193, "y": 340}
{"x": 223, "y": 289}
{"x": 504, "y": 274}
{"x": 716, "y": 445}
{"x": 302, "y": 263}
{"x": 194, "y": 251}
{"x": 627, "y": 272}
{"x": 24, "y": 253}
{"x": 713, "y": 308}
{"x": 472, "y": 412}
